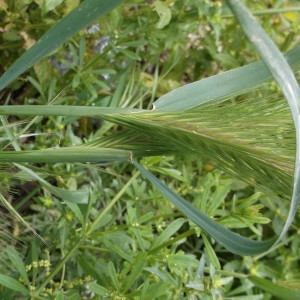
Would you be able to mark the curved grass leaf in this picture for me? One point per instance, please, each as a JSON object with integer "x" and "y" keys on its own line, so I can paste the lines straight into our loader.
{"x": 230, "y": 240}
{"x": 85, "y": 13}
{"x": 73, "y": 196}
{"x": 249, "y": 146}
{"x": 279, "y": 291}
{"x": 190, "y": 134}
{"x": 228, "y": 84}
{"x": 284, "y": 76}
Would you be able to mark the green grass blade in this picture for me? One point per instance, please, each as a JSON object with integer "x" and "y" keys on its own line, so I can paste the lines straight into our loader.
{"x": 98, "y": 289}
{"x": 138, "y": 265}
{"x": 63, "y": 110}
{"x": 85, "y": 13}
{"x": 73, "y": 196}
{"x": 280, "y": 292}
{"x": 18, "y": 264}
{"x": 11, "y": 210}
{"x": 220, "y": 86}
{"x": 12, "y": 284}
{"x": 167, "y": 233}
{"x": 247, "y": 146}
{"x": 68, "y": 154}
{"x": 284, "y": 76}
{"x": 230, "y": 240}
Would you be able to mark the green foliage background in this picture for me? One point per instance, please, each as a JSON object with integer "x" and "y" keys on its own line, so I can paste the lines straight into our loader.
{"x": 108, "y": 233}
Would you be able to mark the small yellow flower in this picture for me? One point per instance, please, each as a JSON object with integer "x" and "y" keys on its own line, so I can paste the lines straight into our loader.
{"x": 69, "y": 216}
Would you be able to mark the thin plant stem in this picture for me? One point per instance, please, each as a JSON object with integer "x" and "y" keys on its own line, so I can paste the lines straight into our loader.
{"x": 85, "y": 234}
{"x": 112, "y": 203}
{"x": 273, "y": 11}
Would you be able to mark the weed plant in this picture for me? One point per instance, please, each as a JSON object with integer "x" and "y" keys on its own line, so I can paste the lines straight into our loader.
{"x": 95, "y": 108}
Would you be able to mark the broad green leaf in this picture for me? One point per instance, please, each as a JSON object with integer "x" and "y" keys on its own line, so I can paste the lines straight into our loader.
{"x": 118, "y": 250}
{"x": 210, "y": 252}
{"x": 50, "y": 5}
{"x": 12, "y": 284}
{"x": 164, "y": 275}
{"x": 113, "y": 275}
{"x": 75, "y": 209}
{"x": 87, "y": 266}
{"x": 164, "y": 13}
{"x": 230, "y": 240}
{"x": 225, "y": 85}
{"x": 98, "y": 289}
{"x": 157, "y": 290}
{"x": 282, "y": 73}
{"x": 219, "y": 196}
{"x": 59, "y": 295}
{"x": 17, "y": 263}
{"x": 70, "y": 196}
{"x": 131, "y": 55}
{"x": 168, "y": 232}
{"x": 137, "y": 269}
{"x": 102, "y": 222}
{"x": 279, "y": 291}
{"x": 81, "y": 16}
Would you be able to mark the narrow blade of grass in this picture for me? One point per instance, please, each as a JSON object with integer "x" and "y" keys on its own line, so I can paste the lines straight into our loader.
{"x": 284, "y": 76}
{"x": 11, "y": 210}
{"x": 63, "y": 110}
{"x": 225, "y": 85}
{"x": 280, "y": 292}
{"x": 73, "y": 196}
{"x": 230, "y": 240}
{"x": 68, "y": 154}
{"x": 85, "y": 13}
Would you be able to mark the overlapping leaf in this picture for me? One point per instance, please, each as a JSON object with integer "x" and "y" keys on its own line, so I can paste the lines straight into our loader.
{"x": 85, "y": 13}
{"x": 251, "y": 140}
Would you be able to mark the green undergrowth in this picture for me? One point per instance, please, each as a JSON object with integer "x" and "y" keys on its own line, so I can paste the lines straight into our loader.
{"x": 88, "y": 224}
